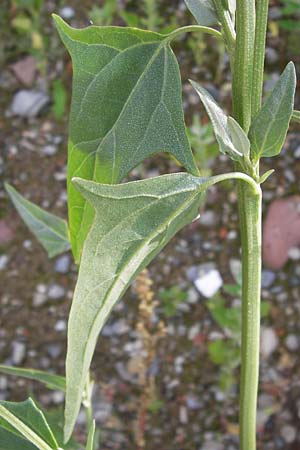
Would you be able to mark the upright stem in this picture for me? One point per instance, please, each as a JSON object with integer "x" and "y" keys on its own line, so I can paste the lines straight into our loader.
{"x": 262, "y": 7}
{"x": 243, "y": 62}
{"x": 250, "y": 209}
{"x": 247, "y": 95}
{"x": 87, "y": 403}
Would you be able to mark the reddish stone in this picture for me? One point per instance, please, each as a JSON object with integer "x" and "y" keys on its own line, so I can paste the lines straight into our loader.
{"x": 25, "y": 70}
{"x": 281, "y": 231}
{"x": 6, "y": 233}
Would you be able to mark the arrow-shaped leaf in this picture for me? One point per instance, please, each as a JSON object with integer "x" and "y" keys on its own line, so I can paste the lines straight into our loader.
{"x": 203, "y": 11}
{"x": 50, "y": 380}
{"x": 133, "y": 222}
{"x": 51, "y": 231}
{"x": 126, "y": 106}
{"x": 269, "y": 127}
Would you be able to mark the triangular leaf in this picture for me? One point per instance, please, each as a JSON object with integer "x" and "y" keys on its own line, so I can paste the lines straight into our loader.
{"x": 50, "y": 380}
{"x": 219, "y": 122}
{"x": 27, "y": 420}
{"x": 133, "y": 222}
{"x": 203, "y": 11}
{"x": 126, "y": 106}
{"x": 51, "y": 231}
{"x": 269, "y": 127}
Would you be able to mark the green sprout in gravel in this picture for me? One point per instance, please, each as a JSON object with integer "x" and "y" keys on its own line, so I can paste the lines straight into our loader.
{"x": 126, "y": 107}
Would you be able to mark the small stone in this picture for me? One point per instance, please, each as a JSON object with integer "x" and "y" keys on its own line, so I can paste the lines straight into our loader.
{"x": 67, "y": 12}
{"x": 193, "y": 296}
{"x": 3, "y": 261}
{"x": 58, "y": 397}
{"x": 60, "y": 325}
{"x": 194, "y": 331}
{"x": 183, "y": 414}
{"x": 103, "y": 411}
{"x": 3, "y": 383}
{"x": 288, "y": 433}
{"x": 294, "y": 253}
{"x": 269, "y": 342}
{"x": 54, "y": 351}
{"x": 209, "y": 283}
{"x": 62, "y": 264}
{"x": 25, "y": 70}
{"x": 292, "y": 342}
{"x": 29, "y": 103}
{"x": 208, "y": 218}
{"x": 271, "y": 55}
{"x": 192, "y": 402}
{"x": 6, "y": 233}
{"x": 49, "y": 150}
{"x": 56, "y": 291}
{"x": 18, "y": 352}
{"x": 297, "y": 152}
{"x": 39, "y": 299}
{"x": 210, "y": 445}
{"x": 267, "y": 279}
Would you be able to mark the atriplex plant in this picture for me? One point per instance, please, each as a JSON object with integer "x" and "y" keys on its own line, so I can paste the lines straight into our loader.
{"x": 126, "y": 106}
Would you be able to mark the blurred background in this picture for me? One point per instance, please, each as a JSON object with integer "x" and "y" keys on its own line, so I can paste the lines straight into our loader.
{"x": 167, "y": 363}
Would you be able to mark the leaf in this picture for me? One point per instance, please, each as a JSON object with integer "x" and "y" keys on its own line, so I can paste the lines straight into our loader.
{"x": 133, "y": 222}
{"x": 238, "y": 137}
{"x": 126, "y": 106}
{"x": 26, "y": 419}
{"x": 9, "y": 441}
{"x": 203, "y": 11}
{"x": 51, "y": 231}
{"x": 50, "y": 380}
{"x": 59, "y": 95}
{"x": 296, "y": 116}
{"x": 269, "y": 127}
{"x": 220, "y": 123}
{"x": 91, "y": 436}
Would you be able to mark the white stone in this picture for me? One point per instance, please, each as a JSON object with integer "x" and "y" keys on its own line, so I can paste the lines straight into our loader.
{"x": 269, "y": 342}
{"x": 28, "y": 103}
{"x": 209, "y": 284}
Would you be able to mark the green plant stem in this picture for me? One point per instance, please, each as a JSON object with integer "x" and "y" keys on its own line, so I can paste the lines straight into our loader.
{"x": 296, "y": 116}
{"x": 243, "y": 62}
{"x": 227, "y": 28}
{"x": 262, "y": 7}
{"x": 193, "y": 28}
{"x": 250, "y": 213}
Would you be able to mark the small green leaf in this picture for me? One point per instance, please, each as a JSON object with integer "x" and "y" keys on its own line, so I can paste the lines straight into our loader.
{"x": 50, "y": 380}
{"x": 219, "y": 121}
{"x": 269, "y": 127}
{"x": 25, "y": 419}
{"x": 238, "y": 137}
{"x": 51, "y": 231}
{"x": 203, "y": 11}
{"x": 126, "y": 106}
{"x": 91, "y": 436}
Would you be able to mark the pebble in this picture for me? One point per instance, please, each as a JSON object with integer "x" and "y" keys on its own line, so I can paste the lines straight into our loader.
{"x": 18, "y": 352}
{"x": 58, "y": 397}
{"x": 60, "y": 325}
{"x": 67, "y": 12}
{"x": 208, "y": 283}
{"x": 183, "y": 414}
{"x": 288, "y": 433}
{"x": 192, "y": 402}
{"x": 269, "y": 342}
{"x": 49, "y": 150}
{"x": 294, "y": 253}
{"x": 56, "y": 291}
{"x": 208, "y": 218}
{"x": 25, "y": 70}
{"x": 192, "y": 296}
{"x": 3, "y": 261}
{"x": 194, "y": 331}
{"x": 6, "y": 233}
{"x": 29, "y": 103}
{"x": 103, "y": 411}
{"x": 54, "y": 350}
{"x": 62, "y": 264}
{"x": 210, "y": 445}
{"x": 267, "y": 278}
{"x": 292, "y": 342}
{"x": 297, "y": 152}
